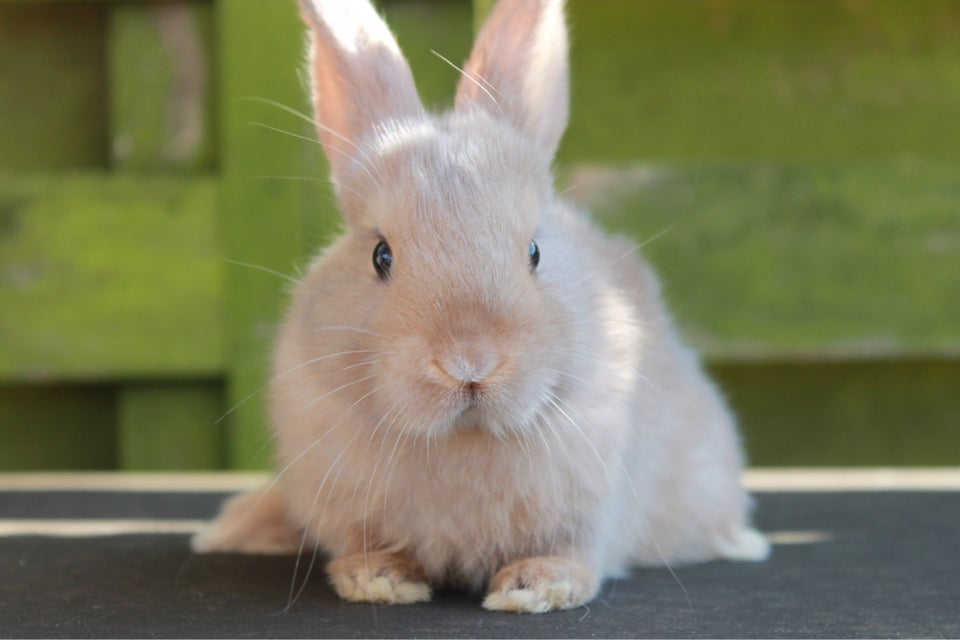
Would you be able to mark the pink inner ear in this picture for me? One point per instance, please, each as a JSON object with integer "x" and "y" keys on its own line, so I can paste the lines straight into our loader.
{"x": 502, "y": 52}
{"x": 519, "y": 68}
{"x": 360, "y": 78}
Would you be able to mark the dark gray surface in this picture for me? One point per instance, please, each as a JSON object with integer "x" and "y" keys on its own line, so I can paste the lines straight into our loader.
{"x": 890, "y": 569}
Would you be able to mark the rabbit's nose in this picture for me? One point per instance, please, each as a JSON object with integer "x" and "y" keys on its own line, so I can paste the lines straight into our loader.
{"x": 468, "y": 368}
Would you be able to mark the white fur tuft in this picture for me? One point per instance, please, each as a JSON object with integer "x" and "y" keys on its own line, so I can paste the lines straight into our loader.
{"x": 380, "y": 589}
{"x": 556, "y": 596}
{"x": 748, "y": 545}
{"x": 354, "y": 25}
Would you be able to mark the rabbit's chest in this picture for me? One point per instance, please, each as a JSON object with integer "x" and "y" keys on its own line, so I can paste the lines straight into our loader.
{"x": 471, "y": 517}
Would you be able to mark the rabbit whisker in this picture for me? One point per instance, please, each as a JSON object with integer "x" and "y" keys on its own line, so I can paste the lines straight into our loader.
{"x": 258, "y": 267}
{"x": 479, "y": 80}
{"x": 359, "y": 195}
{"x": 404, "y": 436}
{"x": 633, "y": 369}
{"x": 591, "y": 275}
{"x": 653, "y": 537}
{"x": 344, "y": 152}
{"x": 365, "y": 363}
{"x": 347, "y": 328}
{"x": 305, "y": 117}
{"x": 657, "y": 235}
{"x": 286, "y": 373}
{"x": 292, "y": 597}
{"x": 577, "y": 429}
{"x": 320, "y": 439}
{"x": 373, "y": 476}
{"x": 279, "y": 376}
{"x": 636, "y": 495}
{"x": 572, "y": 187}
{"x": 553, "y": 470}
{"x": 322, "y": 127}
{"x": 307, "y": 450}
{"x": 568, "y": 406}
{"x": 521, "y": 439}
{"x": 335, "y": 464}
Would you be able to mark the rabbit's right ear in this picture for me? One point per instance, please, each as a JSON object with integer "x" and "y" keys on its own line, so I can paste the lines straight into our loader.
{"x": 519, "y": 69}
{"x": 359, "y": 77}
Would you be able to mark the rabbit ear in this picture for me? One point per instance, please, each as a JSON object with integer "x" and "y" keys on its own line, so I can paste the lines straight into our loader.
{"x": 519, "y": 68}
{"x": 359, "y": 77}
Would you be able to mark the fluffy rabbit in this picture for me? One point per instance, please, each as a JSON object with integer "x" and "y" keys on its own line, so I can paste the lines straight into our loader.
{"x": 475, "y": 386}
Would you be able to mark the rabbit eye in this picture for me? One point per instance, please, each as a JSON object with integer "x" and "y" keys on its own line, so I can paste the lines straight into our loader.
{"x": 382, "y": 259}
{"x": 534, "y": 255}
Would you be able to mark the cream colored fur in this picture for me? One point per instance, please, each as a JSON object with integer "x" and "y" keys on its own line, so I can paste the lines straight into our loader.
{"x": 469, "y": 420}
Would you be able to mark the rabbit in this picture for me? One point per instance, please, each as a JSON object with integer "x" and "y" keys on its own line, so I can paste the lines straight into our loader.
{"x": 474, "y": 386}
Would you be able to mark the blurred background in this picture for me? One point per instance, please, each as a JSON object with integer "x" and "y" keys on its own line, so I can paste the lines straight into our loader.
{"x": 793, "y": 168}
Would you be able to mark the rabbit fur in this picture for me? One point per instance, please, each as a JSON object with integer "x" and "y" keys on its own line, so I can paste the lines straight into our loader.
{"x": 472, "y": 416}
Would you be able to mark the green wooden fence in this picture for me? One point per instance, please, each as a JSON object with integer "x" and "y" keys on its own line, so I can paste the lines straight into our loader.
{"x": 795, "y": 167}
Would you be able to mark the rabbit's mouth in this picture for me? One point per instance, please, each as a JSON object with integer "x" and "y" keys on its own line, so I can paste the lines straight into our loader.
{"x": 486, "y": 410}
{"x": 472, "y": 407}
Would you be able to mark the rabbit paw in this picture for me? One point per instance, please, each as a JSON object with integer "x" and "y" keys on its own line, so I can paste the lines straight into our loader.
{"x": 748, "y": 545}
{"x": 381, "y": 577}
{"x": 538, "y": 585}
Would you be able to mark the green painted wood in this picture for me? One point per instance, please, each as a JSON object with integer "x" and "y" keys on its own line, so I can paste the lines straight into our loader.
{"x": 63, "y": 427}
{"x": 170, "y": 426}
{"x": 422, "y": 28}
{"x": 884, "y": 413}
{"x": 268, "y": 190}
{"x": 52, "y": 86}
{"x": 161, "y": 85}
{"x": 107, "y": 276}
{"x": 801, "y": 157}
{"x": 481, "y": 9}
{"x": 763, "y": 79}
{"x": 797, "y": 260}
{"x": 161, "y": 117}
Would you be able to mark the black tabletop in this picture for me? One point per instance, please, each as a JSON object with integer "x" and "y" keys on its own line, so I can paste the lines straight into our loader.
{"x": 845, "y": 564}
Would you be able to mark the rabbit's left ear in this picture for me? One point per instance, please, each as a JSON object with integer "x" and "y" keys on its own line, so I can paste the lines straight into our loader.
{"x": 358, "y": 76}
{"x": 519, "y": 69}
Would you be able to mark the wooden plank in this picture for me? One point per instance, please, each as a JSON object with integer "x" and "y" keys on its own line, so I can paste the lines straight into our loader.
{"x": 761, "y": 479}
{"x": 106, "y": 276}
{"x": 170, "y": 426}
{"x": 796, "y": 260}
{"x": 144, "y": 482}
{"x": 65, "y": 427}
{"x": 886, "y": 413}
{"x": 161, "y": 119}
{"x": 52, "y": 86}
{"x": 763, "y": 79}
{"x": 831, "y": 479}
{"x": 267, "y": 193}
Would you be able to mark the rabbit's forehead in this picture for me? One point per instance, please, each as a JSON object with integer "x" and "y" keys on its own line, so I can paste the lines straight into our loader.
{"x": 479, "y": 180}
